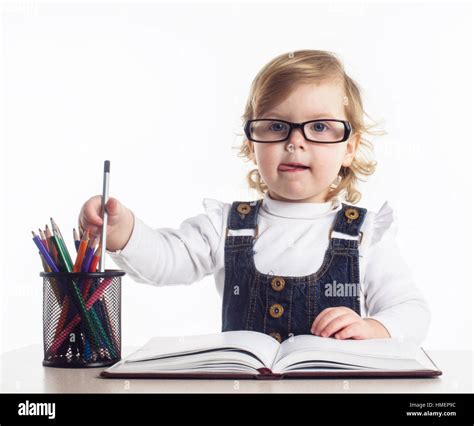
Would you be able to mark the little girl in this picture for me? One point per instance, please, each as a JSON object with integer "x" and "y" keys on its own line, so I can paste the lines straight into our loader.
{"x": 298, "y": 260}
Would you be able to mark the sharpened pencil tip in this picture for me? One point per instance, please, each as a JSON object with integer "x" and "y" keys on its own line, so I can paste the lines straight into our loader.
{"x": 106, "y": 166}
{"x": 33, "y": 232}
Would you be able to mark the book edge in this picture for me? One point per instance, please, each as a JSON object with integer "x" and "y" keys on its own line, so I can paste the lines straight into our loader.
{"x": 437, "y": 368}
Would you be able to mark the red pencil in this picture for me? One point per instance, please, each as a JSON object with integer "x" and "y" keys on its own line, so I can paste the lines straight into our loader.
{"x": 95, "y": 259}
{"x": 44, "y": 240}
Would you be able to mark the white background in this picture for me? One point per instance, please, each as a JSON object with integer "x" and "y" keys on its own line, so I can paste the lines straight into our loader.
{"x": 159, "y": 88}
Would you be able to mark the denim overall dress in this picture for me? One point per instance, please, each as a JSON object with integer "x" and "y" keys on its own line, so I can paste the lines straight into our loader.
{"x": 282, "y": 306}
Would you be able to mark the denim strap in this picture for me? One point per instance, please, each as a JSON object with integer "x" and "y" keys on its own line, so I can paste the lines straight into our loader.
{"x": 345, "y": 225}
{"x": 350, "y": 224}
{"x": 243, "y": 215}
{"x": 239, "y": 219}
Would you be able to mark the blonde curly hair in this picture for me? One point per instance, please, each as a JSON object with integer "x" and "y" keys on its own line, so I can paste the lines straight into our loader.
{"x": 275, "y": 82}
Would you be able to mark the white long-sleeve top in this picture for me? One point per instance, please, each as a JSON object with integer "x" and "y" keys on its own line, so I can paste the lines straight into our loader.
{"x": 292, "y": 241}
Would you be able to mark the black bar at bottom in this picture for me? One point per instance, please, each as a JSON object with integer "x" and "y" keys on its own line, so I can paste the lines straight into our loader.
{"x": 237, "y": 408}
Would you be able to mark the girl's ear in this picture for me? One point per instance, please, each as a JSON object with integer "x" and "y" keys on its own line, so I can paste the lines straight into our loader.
{"x": 351, "y": 148}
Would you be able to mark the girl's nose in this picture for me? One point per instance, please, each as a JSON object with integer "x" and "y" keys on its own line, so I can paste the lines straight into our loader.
{"x": 297, "y": 138}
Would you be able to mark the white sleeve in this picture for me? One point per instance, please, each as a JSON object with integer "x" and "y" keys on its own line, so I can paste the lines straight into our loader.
{"x": 167, "y": 256}
{"x": 392, "y": 297}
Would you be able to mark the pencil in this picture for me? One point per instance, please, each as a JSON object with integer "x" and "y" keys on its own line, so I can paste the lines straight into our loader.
{"x": 77, "y": 240}
{"x": 105, "y": 199}
{"x": 52, "y": 248}
{"x": 44, "y": 252}
{"x": 92, "y": 268}
{"x": 81, "y": 249}
{"x": 62, "y": 251}
{"x": 43, "y": 238}
{"x": 89, "y": 254}
{"x": 101, "y": 305}
{"x": 81, "y": 252}
{"x": 63, "y": 243}
{"x": 45, "y": 264}
{"x": 50, "y": 263}
{"x": 95, "y": 259}
{"x": 85, "y": 289}
{"x": 54, "y": 284}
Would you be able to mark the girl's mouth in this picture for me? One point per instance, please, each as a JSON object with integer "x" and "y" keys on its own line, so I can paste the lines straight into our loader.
{"x": 292, "y": 167}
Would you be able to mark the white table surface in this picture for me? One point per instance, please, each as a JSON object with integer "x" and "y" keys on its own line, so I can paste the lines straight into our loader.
{"x": 23, "y": 372}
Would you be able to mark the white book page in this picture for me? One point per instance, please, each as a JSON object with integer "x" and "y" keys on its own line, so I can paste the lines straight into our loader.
{"x": 263, "y": 346}
{"x": 197, "y": 363}
{"x": 376, "y": 353}
{"x": 231, "y": 360}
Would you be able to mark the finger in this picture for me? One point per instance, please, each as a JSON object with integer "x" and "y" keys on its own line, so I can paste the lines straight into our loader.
{"x": 334, "y": 313}
{"x": 92, "y": 215}
{"x": 323, "y": 314}
{"x": 94, "y": 231}
{"x": 352, "y": 331}
{"x": 113, "y": 207}
{"x": 319, "y": 317}
{"x": 337, "y": 324}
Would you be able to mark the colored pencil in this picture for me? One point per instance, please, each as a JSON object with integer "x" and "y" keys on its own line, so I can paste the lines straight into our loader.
{"x": 62, "y": 242}
{"x": 77, "y": 239}
{"x": 89, "y": 254}
{"x": 45, "y": 253}
{"x": 44, "y": 239}
{"x": 52, "y": 249}
{"x": 81, "y": 252}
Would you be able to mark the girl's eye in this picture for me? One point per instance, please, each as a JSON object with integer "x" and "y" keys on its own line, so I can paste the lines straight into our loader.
{"x": 319, "y": 127}
{"x": 277, "y": 127}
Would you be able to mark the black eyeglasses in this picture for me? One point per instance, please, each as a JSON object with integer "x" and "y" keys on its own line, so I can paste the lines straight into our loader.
{"x": 269, "y": 130}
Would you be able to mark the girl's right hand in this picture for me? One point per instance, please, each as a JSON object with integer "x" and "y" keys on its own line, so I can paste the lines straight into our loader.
{"x": 120, "y": 221}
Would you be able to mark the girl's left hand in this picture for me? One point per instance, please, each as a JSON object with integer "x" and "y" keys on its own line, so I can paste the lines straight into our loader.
{"x": 345, "y": 323}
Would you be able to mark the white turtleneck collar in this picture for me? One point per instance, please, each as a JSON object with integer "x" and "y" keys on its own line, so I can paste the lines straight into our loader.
{"x": 291, "y": 210}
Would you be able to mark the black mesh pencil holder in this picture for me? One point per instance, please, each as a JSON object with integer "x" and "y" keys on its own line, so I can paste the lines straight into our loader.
{"x": 81, "y": 318}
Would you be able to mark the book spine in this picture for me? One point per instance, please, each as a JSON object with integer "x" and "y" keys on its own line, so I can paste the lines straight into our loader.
{"x": 267, "y": 374}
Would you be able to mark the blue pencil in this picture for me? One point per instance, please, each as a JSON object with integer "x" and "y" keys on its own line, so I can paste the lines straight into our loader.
{"x": 44, "y": 252}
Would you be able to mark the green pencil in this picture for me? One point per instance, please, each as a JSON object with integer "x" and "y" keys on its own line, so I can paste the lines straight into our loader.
{"x": 61, "y": 240}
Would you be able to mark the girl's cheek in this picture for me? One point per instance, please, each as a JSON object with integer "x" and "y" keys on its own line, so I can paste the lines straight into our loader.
{"x": 268, "y": 157}
{"x": 328, "y": 161}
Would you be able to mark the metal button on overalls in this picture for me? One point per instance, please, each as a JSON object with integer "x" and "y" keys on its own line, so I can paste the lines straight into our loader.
{"x": 243, "y": 208}
{"x": 275, "y": 335}
{"x": 351, "y": 214}
{"x": 278, "y": 284}
{"x": 276, "y": 310}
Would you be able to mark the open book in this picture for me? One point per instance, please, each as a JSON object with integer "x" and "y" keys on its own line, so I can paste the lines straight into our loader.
{"x": 250, "y": 354}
